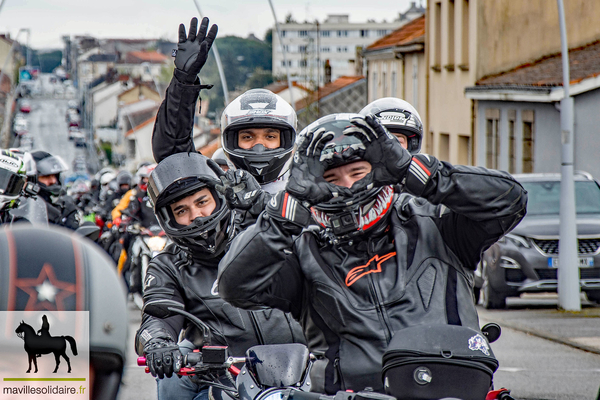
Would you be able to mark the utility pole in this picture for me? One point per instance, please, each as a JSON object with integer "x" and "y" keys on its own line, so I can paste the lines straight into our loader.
{"x": 287, "y": 67}
{"x": 568, "y": 264}
{"x": 218, "y": 60}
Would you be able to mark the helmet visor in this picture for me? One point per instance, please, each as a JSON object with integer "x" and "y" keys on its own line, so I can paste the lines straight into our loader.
{"x": 51, "y": 166}
{"x": 11, "y": 184}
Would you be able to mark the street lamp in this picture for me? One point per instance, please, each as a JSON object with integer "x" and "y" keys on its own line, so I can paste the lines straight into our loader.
{"x": 568, "y": 267}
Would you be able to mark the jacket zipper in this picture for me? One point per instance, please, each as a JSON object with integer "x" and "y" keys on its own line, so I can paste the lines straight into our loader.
{"x": 378, "y": 304}
{"x": 257, "y": 329}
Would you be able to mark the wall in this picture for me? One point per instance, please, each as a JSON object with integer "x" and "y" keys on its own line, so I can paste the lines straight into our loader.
{"x": 511, "y": 33}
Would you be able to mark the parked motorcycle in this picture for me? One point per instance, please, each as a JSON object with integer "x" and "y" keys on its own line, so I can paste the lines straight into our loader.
{"x": 423, "y": 362}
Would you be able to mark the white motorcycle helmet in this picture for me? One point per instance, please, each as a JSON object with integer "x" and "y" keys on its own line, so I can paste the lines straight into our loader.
{"x": 259, "y": 108}
{"x": 398, "y": 116}
{"x": 12, "y": 179}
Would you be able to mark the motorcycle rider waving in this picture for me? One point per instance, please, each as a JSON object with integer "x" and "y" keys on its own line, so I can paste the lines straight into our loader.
{"x": 184, "y": 189}
{"x": 380, "y": 261}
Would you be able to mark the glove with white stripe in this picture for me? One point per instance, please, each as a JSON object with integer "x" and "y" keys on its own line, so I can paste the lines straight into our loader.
{"x": 422, "y": 168}
{"x": 389, "y": 160}
{"x": 285, "y": 207}
{"x": 306, "y": 182}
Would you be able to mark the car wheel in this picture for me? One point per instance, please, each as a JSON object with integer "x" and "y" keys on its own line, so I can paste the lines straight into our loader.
{"x": 593, "y": 296}
{"x": 491, "y": 299}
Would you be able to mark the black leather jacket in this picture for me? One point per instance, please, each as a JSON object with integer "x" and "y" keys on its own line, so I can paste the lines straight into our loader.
{"x": 174, "y": 275}
{"x": 419, "y": 270}
{"x": 174, "y": 124}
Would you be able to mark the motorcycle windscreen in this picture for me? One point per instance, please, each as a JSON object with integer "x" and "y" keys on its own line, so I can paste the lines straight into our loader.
{"x": 277, "y": 365}
{"x": 33, "y": 210}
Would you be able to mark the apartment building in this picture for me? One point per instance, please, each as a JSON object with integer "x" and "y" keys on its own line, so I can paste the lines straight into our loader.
{"x": 324, "y": 51}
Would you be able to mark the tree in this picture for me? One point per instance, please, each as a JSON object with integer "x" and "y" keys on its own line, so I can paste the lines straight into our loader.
{"x": 289, "y": 19}
{"x": 269, "y": 37}
{"x": 259, "y": 78}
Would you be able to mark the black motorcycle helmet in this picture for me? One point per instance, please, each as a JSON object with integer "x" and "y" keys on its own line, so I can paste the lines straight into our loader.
{"x": 259, "y": 108}
{"x": 41, "y": 163}
{"x": 83, "y": 277}
{"x": 124, "y": 178}
{"x": 398, "y": 116}
{"x": 181, "y": 175}
{"x": 348, "y": 216}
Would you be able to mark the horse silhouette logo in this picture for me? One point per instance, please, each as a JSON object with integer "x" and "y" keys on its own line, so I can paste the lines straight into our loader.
{"x": 41, "y": 342}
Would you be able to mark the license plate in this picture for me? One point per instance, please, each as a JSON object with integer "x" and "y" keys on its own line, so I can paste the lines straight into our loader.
{"x": 584, "y": 262}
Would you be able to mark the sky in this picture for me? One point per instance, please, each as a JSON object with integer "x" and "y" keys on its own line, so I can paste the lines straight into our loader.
{"x": 49, "y": 20}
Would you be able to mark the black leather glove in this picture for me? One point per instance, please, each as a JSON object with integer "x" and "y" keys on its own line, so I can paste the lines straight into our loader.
{"x": 192, "y": 50}
{"x": 239, "y": 187}
{"x": 389, "y": 160}
{"x": 306, "y": 182}
{"x": 163, "y": 358}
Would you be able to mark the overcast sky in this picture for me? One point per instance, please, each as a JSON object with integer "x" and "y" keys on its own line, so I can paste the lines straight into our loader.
{"x": 49, "y": 20}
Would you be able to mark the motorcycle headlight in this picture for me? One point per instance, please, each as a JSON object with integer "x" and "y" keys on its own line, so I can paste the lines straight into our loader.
{"x": 156, "y": 243}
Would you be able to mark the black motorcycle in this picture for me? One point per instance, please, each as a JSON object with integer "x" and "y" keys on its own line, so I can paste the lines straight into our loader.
{"x": 423, "y": 362}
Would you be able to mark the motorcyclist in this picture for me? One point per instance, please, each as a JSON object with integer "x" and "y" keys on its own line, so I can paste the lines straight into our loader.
{"x": 258, "y": 127}
{"x": 45, "y": 169}
{"x": 123, "y": 186}
{"x": 380, "y": 261}
{"x": 137, "y": 205}
{"x": 88, "y": 282}
{"x": 400, "y": 118}
{"x": 12, "y": 181}
{"x": 196, "y": 217}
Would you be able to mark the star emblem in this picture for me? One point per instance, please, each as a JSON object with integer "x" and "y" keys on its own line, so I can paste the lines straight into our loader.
{"x": 45, "y": 292}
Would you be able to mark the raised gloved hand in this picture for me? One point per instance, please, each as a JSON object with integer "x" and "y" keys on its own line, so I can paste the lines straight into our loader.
{"x": 239, "y": 187}
{"x": 192, "y": 50}
{"x": 306, "y": 182}
{"x": 163, "y": 358}
{"x": 389, "y": 160}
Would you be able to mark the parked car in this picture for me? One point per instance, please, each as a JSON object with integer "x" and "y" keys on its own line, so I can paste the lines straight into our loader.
{"x": 73, "y": 130}
{"x": 25, "y": 107}
{"x": 20, "y": 126}
{"x": 79, "y": 139}
{"x": 526, "y": 259}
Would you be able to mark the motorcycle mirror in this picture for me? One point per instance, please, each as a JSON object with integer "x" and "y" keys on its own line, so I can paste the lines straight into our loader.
{"x": 492, "y": 331}
{"x": 89, "y": 230}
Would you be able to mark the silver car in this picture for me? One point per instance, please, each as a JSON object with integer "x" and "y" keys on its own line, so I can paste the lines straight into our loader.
{"x": 526, "y": 259}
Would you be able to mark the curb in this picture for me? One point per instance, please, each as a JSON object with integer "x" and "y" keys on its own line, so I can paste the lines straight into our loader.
{"x": 544, "y": 335}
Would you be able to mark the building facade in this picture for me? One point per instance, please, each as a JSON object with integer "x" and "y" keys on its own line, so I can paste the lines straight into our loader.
{"x": 309, "y": 47}
{"x": 468, "y": 40}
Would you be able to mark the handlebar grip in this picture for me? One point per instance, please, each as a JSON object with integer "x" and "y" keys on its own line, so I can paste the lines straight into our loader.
{"x": 300, "y": 395}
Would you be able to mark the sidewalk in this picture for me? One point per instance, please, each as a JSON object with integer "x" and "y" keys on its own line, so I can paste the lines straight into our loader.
{"x": 580, "y": 330}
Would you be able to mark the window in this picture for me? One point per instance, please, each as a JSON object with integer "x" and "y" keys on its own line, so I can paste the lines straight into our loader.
{"x": 301, "y": 49}
{"x": 342, "y": 33}
{"x": 450, "y": 35}
{"x": 464, "y": 53}
{"x": 429, "y": 143}
{"x": 302, "y": 33}
{"x": 512, "y": 143}
{"x": 464, "y": 150}
{"x": 381, "y": 32}
{"x": 528, "y": 140}
{"x": 374, "y": 86}
{"x": 283, "y": 33}
{"x": 393, "y": 84}
{"x": 289, "y": 63}
{"x": 364, "y": 33}
{"x": 325, "y": 49}
{"x": 444, "y": 146}
{"x": 492, "y": 140}
{"x": 131, "y": 148}
{"x": 325, "y": 33}
{"x": 302, "y": 63}
{"x": 437, "y": 31}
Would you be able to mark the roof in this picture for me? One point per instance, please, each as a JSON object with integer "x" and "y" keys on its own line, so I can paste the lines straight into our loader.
{"x": 328, "y": 89}
{"x": 411, "y": 33}
{"x": 102, "y": 58}
{"x": 140, "y": 126}
{"x": 584, "y": 63}
{"x": 280, "y": 86}
{"x": 145, "y": 56}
